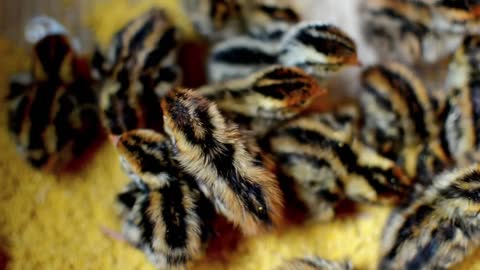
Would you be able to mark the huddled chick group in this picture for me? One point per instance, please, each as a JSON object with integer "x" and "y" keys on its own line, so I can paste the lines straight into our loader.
{"x": 233, "y": 147}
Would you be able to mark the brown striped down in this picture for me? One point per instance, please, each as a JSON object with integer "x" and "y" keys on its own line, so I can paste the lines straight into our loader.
{"x": 439, "y": 227}
{"x": 216, "y": 152}
{"x": 274, "y": 92}
{"x": 138, "y": 70}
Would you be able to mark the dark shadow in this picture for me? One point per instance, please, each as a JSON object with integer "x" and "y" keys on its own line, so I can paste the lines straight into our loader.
{"x": 346, "y": 209}
{"x": 225, "y": 240}
{"x": 192, "y": 58}
{"x": 4, "y": 259}
{"x": 85, "y": 158}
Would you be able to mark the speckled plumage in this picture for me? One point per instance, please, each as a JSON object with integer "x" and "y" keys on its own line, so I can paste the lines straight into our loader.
{"x": 51, "y": 110}
{"x": 397, "y": 108}
{"x": 163, "y": 210}
{"x": 437, "y": 228}
{"x": 461, "y": 113}
{"x": 320, "y": 49}
{"x": 215, "y": 151}
{"x": 320, "y": 153}
{"x": 138, "y": 70}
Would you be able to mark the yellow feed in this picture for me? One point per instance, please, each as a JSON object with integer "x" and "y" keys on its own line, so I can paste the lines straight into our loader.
{"x": 54, "y": 222}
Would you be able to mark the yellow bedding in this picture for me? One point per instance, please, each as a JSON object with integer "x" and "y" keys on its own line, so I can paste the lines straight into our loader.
{"x": 54, "y": 221}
